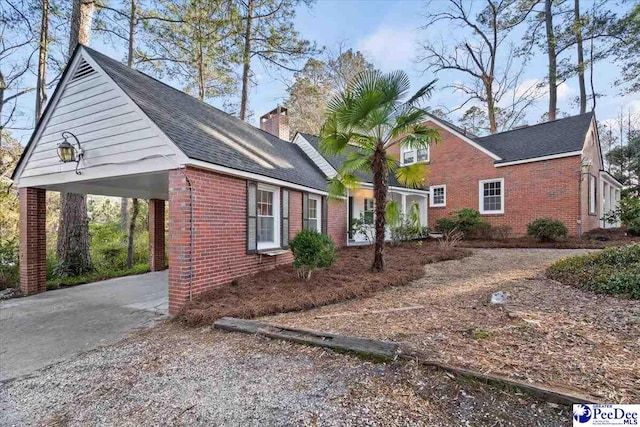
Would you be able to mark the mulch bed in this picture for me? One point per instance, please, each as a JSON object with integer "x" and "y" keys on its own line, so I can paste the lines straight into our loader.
{"x": 596, "y": 239}
{"x": 280, "y": 290}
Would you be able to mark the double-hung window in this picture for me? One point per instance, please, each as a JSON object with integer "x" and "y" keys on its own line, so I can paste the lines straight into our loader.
{"x": 313, "y": 213}
{"x": 268, "y": 207}
{"x": 491, "y": 196}
{"x": 368, "y": 211}
{"x": 438, "y": 195}
{"x": 410, "y": 156}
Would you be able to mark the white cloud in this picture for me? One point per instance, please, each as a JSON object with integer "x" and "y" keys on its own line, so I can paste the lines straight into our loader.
{"x": 390, "y": 48}
{"x": 564, "y": 91}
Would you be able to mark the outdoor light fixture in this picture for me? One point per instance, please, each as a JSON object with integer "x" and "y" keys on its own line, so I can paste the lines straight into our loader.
{"x": 68, "y": 153}
{"x": 585, "y": 168}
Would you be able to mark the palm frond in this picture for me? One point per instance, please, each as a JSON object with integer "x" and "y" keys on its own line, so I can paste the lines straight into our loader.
{"x": 413, "y": 176}
{"x": 332, "y": 140}
{"x": 393, "y": 212}
{"x": 424, "y": 92}
{"x": 357, "y": 161}
{"x": 419, "y": 137}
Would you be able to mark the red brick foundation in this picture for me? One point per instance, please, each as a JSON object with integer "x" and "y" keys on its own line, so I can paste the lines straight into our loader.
{"x": 156, "y": 235}
{"x": 33, "y": 245}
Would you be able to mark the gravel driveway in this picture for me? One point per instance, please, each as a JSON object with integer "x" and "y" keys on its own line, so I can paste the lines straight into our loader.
{"x": 171, "y": 375}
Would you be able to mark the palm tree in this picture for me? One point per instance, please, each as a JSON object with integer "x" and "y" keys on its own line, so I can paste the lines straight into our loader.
{"x": 371, "y": 116}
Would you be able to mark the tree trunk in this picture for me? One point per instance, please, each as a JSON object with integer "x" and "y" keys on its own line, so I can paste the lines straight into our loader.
{"x": 73, "y": 231}
{"x": 380, "y": 189}
{"x": 124, "y": 202}
{"x": 132, "y": 230}
{"x": 491, "y": 106}
{"x": 246, "y": 62}
{"x": 41, "y": 94}
{"x": 3, "y": 86}
{"x": 132, "y": 31}
{"x": 81, "y": 23}
{"x": 73, "y": 250}
{"x": 583, "y": 88}
{"x": 553, "y": 66}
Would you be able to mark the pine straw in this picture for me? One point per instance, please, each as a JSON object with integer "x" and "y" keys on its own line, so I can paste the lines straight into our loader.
{"x": 547, "y": 333}
{"x": 597, "y": 239}
{"x": 280, "y": 290}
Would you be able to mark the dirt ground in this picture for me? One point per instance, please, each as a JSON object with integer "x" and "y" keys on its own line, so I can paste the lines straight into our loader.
{"x": 546, "y": 332}
{"x": 175, "y": 375}
{"x": 280, "y": 290}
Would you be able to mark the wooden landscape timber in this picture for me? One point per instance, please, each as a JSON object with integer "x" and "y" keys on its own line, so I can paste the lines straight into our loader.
{"x": 388, "y": 351}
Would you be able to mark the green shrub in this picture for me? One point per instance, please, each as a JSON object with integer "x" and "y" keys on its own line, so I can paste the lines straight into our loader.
{"x": 627, "y": 212}
{"x": 9, "y": 269}
{"x": 467, "y": 221}
{"x": 547, "y": 229}
{"x": 612, "y": 271}
{"x": 633, "y": 227}
{"x": 312, "y": 250}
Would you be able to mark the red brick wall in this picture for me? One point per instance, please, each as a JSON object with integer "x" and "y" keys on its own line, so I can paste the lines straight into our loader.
{"x": 220, "y": 253}
{"x": 33, "y": 245}
{"x": 532, "y": 190}
{"x": 337, "y": 224}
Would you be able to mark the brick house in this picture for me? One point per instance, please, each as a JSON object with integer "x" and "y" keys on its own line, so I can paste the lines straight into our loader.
{"x": 552, "y": 169}
{"x": 237, "y": 194}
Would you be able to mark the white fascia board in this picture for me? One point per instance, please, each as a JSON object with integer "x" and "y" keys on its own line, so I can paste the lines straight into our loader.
{"x": 398, "y": 189}
{"x": 250, "y": 175}
{"x": 611, "y": 180}
{"x": 465, "y": 139}
{"x": 539, "y": 159}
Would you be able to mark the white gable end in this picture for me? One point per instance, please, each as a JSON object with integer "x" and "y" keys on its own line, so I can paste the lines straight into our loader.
{"x": 315, "y": 156}
{"x": 117, "y": 138}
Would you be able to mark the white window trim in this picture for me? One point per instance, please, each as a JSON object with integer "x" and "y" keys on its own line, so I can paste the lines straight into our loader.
{"x": 593, "y": 194}
{"x": 318, "y": 211}
{"x": 431, "y": 202}
{"x": 276, "y": 217}
{"x": 481, "y": 196}
{"x": 415, "y": 156}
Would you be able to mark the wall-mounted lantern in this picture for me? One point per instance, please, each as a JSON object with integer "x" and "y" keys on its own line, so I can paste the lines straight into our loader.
{"x": 67, "y": 152}
{"x": 585, "y": 168}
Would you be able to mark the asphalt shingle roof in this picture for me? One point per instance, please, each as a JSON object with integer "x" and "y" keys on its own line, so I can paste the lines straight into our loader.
{"x": 208, "y": 134}
{"x": 336, "y": 161}
{"x": 544, "y": 139}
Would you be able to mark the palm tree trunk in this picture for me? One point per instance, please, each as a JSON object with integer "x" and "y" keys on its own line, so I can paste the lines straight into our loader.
{"x": 380, "y": 189}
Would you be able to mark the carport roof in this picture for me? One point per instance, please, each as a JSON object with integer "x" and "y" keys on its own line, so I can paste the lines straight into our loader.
{"x": 208, "y": 134}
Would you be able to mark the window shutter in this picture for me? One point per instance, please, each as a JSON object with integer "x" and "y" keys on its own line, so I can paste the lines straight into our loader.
{"x": 305, "y": 211}
{"x": 252, "y": 217}
{"x": 325, "y": 216}
{"x": 284, "y": 225}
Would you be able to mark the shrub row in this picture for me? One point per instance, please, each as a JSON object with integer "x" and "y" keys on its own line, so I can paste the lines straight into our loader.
{"x": 612, "y": 271}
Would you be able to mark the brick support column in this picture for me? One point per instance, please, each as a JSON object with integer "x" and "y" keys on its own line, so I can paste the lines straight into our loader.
{"x": 33, "y": 246}
{"x": 179, "y": 240}
{"x": 156, "y": 235}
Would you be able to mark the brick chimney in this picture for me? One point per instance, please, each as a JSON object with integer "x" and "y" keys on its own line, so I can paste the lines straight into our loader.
{"x": 276, "y": 122}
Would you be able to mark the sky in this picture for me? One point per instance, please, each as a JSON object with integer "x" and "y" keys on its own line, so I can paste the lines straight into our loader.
{"x": 389, "y": 33}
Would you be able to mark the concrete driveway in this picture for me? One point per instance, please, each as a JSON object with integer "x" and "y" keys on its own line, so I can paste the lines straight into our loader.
{"x": 39, "y": 330}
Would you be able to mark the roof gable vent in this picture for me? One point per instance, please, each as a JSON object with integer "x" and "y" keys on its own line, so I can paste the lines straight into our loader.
{"x": 83, "y": 70}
